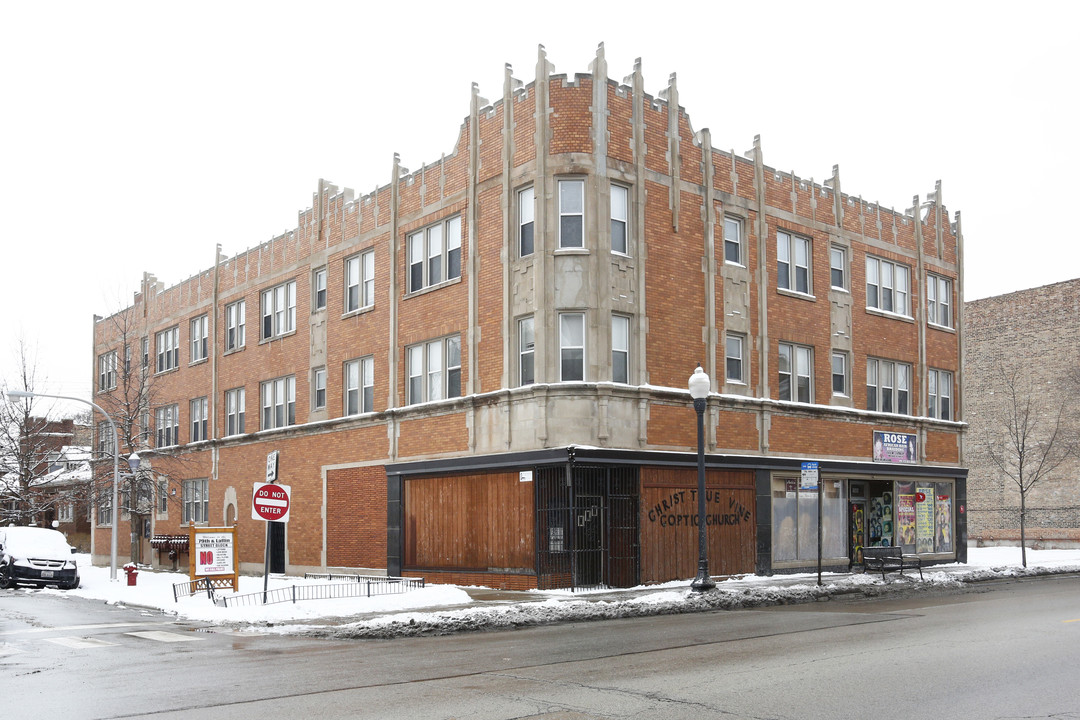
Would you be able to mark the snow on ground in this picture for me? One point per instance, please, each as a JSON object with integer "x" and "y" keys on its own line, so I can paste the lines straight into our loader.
{"x": 438, "y": 609}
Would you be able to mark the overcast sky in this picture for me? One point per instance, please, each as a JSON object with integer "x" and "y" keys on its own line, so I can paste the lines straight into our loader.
{"x": 137, "y": 136}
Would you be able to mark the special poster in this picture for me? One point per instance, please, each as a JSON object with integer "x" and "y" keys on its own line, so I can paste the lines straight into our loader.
{"x": 905, "y": 520}
{"x": 924, "y": 519}
{"x": 944, "y": 523}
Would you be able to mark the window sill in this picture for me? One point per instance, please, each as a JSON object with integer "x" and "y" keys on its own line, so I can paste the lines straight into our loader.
{"x": 200, "y": 361}
{"x": 361, "y": 311}
{"x": 571, "y": 251}
{"x": 282, "y": 336}
{"x": 430, "y": 288}
{"x": 166, "y": 371}
{"x": 796, "y": 294}
{"x": 840, "y": 289}
{"x": 233, "y": 351}
{"x": 733, "y": 264}
{"x": 890, "y": 315}
{"x": 942, "y": 328}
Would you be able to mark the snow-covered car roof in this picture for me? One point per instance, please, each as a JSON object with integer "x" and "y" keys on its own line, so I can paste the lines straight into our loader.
{"x": 34, "y": 542}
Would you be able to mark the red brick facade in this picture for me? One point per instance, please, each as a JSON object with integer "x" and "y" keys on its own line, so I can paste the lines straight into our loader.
{"x": 672, "y": 284}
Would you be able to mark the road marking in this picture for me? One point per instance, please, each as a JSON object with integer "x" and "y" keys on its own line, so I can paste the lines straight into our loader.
{"x": 68, "y": 628}
{"x": 161, "y": 636}
{"x": 1069, "y": 621}
{"x": 80, "y": 642}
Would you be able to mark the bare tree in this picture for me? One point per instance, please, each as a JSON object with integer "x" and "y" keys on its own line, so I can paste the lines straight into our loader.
{"x": 1029, "y": 433}
{"x": 29, "y": 441}
{"x": 130, "y": 400}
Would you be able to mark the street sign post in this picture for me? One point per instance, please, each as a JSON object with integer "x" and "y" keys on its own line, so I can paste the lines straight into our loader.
{"x": 811, "y": 479}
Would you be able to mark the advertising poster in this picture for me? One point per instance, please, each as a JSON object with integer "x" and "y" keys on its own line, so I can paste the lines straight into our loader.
{"x": 905, "y": 521}
{"x": 895, "y": 447}
{"x": 944, "y": 523}
{"x": 213, "y": 554}
{"x": 924, "y": 519}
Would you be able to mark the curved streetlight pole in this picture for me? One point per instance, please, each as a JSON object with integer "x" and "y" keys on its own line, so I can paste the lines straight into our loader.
{"x": 23, "y": 394}
{"x": 699, "y": 390}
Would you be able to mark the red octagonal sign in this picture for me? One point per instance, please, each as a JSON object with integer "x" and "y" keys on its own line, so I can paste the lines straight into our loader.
{"x": 270, "y": 501}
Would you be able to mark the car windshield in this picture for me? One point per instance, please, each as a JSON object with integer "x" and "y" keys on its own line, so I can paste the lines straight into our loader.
{"x": 35, "y": 542}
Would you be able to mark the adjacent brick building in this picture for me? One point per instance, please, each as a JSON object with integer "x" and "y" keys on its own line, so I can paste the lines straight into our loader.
{"x": 478, "y": 372}
{"x": 1037, "y": 330}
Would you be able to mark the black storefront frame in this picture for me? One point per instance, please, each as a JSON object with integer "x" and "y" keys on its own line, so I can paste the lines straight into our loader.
{"x": 762, "y": 466}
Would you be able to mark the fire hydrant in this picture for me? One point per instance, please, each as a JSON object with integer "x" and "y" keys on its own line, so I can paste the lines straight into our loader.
{"x": 132, "y": 571}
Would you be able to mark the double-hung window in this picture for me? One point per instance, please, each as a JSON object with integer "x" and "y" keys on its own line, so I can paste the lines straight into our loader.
{"x": 939, "y": 394}
{"x": 278, "y": 402}
{"x": 526, "y": 216}
{"x": 793, "y": 262}
{"x": 146, "y": 352}
{"x": 234, "y": 325}
{"x": 279, "y": 310}
{"x": 527, "y": 351}
{"x": 838, "y": 267}
{"x": 733, "y": 240}
{"x": 198, "y": 419}
{"x": 888, "y": 386}
{"x": 939, "y": 300}
{"x": 620, "y": 235}
{"x": 195, "y": 497}
{"x": 359, "y": 386}
{"x": 318, "y": 388}
{"x": 360, "y": 281}
{"x": 168, "y": 349}
{"x": 887, "y": 286}
{"x": 434, "y": 370}
{"x": 105, "y": 438}
{"x": 733, "y": 358}
{"x": 318, "y": 289}
{"x": 435, "y": 254}
{"x": 620, "y": 349}
{"x": 795, "y": 367}
{"x": 167, "y": 425}
{"x": 571, "y": 213}
{"x": 571, "y": 346}
{"x": 840, "y": 373}
{"x": 234, "y": 411}
{"x": 199, "y": 344}
{"x": 104, "y": 509}
{"x": 107, "y": 371}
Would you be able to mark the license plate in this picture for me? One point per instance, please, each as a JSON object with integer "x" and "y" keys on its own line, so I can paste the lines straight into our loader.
{"x": 46, "y": 573}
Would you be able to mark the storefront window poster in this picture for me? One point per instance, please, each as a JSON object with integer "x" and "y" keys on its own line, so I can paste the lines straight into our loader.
{"x": 924, "y": 520}
{"x": 943, "y": 512}
{"x": 905, "y": 516}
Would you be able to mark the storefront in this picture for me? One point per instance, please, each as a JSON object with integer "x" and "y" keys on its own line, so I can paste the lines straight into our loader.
{"x": 589, "y": 517}
{"x": 889, "y": 502}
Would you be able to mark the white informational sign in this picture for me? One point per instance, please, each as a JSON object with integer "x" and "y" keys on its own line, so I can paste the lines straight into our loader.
{"x": 214, "y": 554}
{"x": 809, "y": 476}
{"x": 525, "y": 476}
{"x": 270, "y": 502}
{"x": 271, "y": 466}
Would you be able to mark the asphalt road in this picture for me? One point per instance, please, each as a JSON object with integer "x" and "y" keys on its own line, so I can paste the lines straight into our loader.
{"x": 1006, "y": 649}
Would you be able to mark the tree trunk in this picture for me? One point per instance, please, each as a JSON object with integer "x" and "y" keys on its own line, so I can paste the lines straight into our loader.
{"x": 1023, "y": 527}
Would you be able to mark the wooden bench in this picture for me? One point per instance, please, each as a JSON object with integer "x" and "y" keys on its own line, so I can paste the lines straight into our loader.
{"x": 890, "y": 559}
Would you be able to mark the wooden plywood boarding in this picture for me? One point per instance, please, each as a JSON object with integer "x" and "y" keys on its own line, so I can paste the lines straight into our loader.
{"x": 669, "y": 533}
{"x": 476, "y": 522}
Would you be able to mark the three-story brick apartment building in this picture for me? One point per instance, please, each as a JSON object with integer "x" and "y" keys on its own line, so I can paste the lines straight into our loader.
{"x": 478, "y": 373}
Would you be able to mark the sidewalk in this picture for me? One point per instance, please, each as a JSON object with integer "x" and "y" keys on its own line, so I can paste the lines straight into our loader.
{"x": 440, "y": 609}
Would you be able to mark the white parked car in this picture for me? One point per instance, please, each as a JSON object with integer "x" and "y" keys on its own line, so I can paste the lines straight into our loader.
{"x": 36, "y": 556}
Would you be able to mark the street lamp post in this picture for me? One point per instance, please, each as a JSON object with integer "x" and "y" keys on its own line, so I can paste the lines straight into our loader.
{"x": 23, "y": 394}
{"x": 699, "y": 390}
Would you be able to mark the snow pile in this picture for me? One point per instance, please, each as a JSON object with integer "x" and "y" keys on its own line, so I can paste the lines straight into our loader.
{"x": 444, "y": 609}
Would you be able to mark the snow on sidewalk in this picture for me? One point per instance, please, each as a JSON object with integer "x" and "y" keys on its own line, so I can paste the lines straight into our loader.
{"x": 448, "y": 608}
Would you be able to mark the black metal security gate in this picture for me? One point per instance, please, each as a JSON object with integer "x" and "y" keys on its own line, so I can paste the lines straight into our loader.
{"x": 586, "y": 527}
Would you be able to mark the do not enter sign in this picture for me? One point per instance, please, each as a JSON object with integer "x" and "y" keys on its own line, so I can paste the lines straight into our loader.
{"x": 270, "y": 502}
